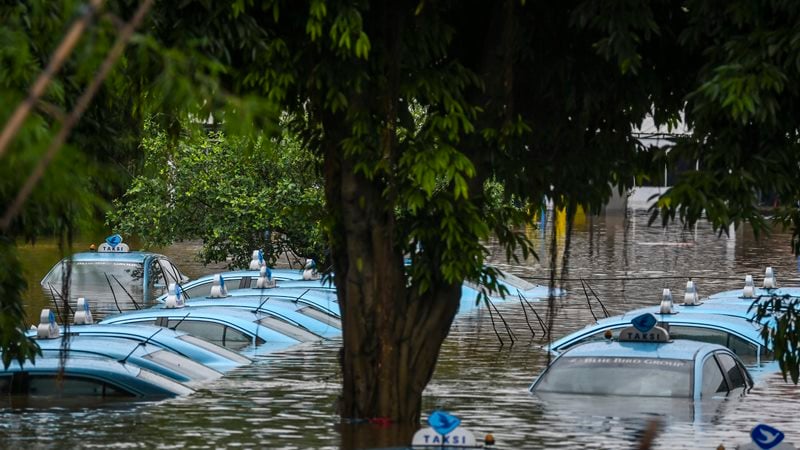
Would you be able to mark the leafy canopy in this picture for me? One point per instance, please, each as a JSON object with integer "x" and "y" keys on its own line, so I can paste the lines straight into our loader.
{"x": 233, "y": 194}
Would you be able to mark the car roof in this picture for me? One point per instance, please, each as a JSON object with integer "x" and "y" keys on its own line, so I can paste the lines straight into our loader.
{"x": 132, "y": 256}
{"x": 289, "y": 274}
{"x": 99, "y": 345}
{"x": 737, "y": 325}
{"x": 102, "y": 368}
{"x": 733, "y": 323}
{"x": 735, "y": 309}
{"x": 737, "y": 293}
{"x": 676, "y": 349}
{"x": 228, "y": 314}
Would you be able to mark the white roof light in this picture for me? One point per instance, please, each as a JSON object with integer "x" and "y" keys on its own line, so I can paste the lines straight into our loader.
{"x": 48, "y": 328}
{"x": 769, "y": 279}
{"x": 83, "y": 315}
{"x": 691, "y": 298}
{"x": 218, "y": 289}
{"x": 666, "y": 302}
{"x": 174, "y": 297}
{"x": 749, "y": 290}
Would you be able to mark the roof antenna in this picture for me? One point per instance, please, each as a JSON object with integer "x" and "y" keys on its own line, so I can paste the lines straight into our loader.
{"x": 175, "y": 327}
{"x": 140, "y": 344}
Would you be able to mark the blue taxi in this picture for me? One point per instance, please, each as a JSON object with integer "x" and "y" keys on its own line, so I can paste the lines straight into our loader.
{"x": 645, "y": 360}
{"x": 148, "y": 356}
{"x": 204, "y": 352}
{"x": 319, "y": 320}
{"x": 84, "y": 379}
{"x": 750, "y": 292}
{"x": 739, "y": 335}
{"x": 159, "y": 360}
{"x": 116, "y": 278}
{"x": 231, "y": 328}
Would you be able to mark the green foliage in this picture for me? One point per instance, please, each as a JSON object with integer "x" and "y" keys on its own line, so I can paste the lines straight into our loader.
{"x": 227, "y": 192}
{"x": 410, "y": 109}
{"x": 93, "y": 167}
{"x": 782, "y": 337}
{"x": 13, "y": 342}
{"x": 742, "y": 110}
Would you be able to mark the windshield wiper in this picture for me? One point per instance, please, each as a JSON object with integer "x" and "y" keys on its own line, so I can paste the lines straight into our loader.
{"x": 126, "y": 291}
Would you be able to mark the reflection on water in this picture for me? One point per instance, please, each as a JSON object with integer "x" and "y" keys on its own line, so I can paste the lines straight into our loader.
{"x": 288, "y": 399}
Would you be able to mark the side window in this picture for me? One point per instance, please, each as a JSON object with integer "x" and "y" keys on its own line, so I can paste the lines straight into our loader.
{"x": 209, "y": 331}
{"x": 49, "y": 386}
{"x": 156, "y": 283}
{"x": 71, "y": 386}
{"x": 5, "y": 384}
{"x": 713, "y": 381}
{"x": 733, "y": 371}
{"x": 699, "y": 334}
{"x": 198, "y": 290}
{"x": 171, "y": 272}
{"x": 235, "y": 339}
{"x": 743, "y": 349}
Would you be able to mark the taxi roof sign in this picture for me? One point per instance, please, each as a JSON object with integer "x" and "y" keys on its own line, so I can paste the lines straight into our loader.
{"x": 113, "y": 244}
{"x": 444, "y": 432}
{"x": 765, "y": 437}
{"x": 644, "y": 329}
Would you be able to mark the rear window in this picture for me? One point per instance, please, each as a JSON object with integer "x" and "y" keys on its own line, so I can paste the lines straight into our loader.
{"x": 45, "y": 385}
{"x": 182, "y": 365}
{"x": 216, "y": 333}
{"x": 214, "y": 348}
{"x": 650, "y": 377}
{"x": 322, "y": 316}
{"x": 163, "y": 382}
{"x": 288, "y": 329}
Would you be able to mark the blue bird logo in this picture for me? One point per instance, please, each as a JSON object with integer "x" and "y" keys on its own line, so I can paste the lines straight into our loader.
{"x": 645, "y": 322}
{"x": 114, "y": 240}
{"x": 442, "y": 422}
{"x": 766, "y": 437}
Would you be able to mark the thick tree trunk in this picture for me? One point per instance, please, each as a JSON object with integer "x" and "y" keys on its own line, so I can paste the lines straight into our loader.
{"x": 392, "y": 336}
{"x": 392, "y": 333}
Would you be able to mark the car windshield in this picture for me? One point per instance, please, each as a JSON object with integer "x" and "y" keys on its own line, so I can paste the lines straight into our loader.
{"x": 512, "y": 284}
{"x": 516, "y": 282}
{"x": 650, "y": 377}
{"x": 91, "y": 279}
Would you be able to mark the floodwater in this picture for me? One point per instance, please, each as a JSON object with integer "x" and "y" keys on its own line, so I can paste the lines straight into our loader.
{"x": 288, "y": 400}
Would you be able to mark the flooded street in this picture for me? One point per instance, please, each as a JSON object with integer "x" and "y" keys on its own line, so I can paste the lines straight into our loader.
{"x": 287, "y": 400}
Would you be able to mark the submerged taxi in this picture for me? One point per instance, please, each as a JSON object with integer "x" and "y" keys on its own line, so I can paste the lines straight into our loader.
{"x": 83, "y": 378}
{"x": 114, "y": 277}
{"x": 646, "y": 361}
{"x": 95, "y": 370}
{"x": 733, "y": 328}
{"x": 750, "y": 293}
{"x": 234, "y": 329}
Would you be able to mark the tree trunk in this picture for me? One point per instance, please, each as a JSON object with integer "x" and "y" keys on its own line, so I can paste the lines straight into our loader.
{"x": 392, "y": 333}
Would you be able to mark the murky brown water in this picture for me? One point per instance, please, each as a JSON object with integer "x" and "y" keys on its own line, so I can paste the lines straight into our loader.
{"x": 287, "y": 400}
